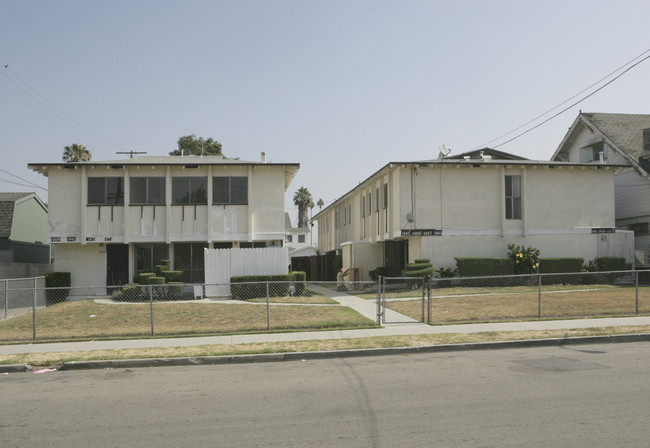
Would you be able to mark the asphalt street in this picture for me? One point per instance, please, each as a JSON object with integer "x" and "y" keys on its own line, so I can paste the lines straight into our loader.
{"x": 564, "y": 396}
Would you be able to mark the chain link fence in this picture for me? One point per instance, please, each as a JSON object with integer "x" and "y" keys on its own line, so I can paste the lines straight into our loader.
{"x": 172, "y": 310}
{"x": 32, "y": 312}
{"x": 521, "y": 297}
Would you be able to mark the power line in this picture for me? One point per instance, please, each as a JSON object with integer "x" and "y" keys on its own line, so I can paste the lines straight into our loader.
{"x": 567, "y": 100}
{"x": 24, "y": 180}
{"x": 574, "y": 104}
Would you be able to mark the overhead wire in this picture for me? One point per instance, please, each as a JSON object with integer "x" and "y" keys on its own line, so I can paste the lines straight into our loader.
{"x": 24, "y": 180}
{"x": 567, "y": 100}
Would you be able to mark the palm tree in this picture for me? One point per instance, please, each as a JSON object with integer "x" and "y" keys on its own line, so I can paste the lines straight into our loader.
{"x": 302, "y": 199}
{"x": 320, "y": 204}
{"x": 76, "y": 153}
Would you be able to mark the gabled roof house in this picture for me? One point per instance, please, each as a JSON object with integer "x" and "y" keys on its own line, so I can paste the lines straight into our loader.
{"x": 606, "y": 138}
{"x": 23, "y": 229}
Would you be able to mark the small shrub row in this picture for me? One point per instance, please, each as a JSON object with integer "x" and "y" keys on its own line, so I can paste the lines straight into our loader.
{"x": 60, "y": 283}
{"x": 420, "y": 268}
{"x": 248, "y": 287}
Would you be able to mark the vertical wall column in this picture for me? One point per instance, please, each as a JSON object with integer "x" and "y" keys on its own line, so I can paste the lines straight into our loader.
{"x": 209, "y": 213}
{"x": 502, "y": 173}
{"x": 84, "y": 201}
{"x": 524, "y": 227}
{"x": 127, "y": 202}
{"x": 251, "y": 204}
{"x": 168, "y": 205}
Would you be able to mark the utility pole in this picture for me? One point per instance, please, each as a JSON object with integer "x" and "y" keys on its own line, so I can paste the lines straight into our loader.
{"x": 131, "y": 153}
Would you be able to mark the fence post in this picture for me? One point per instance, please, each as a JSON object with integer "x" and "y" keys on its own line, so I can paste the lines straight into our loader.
{"x": 539, "y": 296}
{"x": 379, "y": 300}
{"x": 636, "y": 284}
{"x": 34, "y": 311}
{"x": 6, "y": 299}
{"x": 424, "y": 279}
{"x": 151, "y": 307}
{"x": 268, "y": 308}
{"x": 383, "y": 300}
{"x": 429, "y": 304}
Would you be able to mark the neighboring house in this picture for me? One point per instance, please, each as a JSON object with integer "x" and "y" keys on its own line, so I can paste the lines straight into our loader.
{"x": 297, "y": 239}
{"x": 618, "y": 139}
{"x": 110, "y": 220}
{"x": 474, "y": 205}
{"x": 23, "y": 229}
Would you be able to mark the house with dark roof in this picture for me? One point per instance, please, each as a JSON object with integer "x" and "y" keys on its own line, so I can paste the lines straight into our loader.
{"x": 614, "y": 139}
{"x": 23, "y": 229}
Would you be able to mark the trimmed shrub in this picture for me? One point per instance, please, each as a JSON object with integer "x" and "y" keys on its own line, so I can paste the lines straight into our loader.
{"x": 380, "y": 271}
{"x": 610, "y": 263}
{"x": 130, "y": 292}
{"x": 142, "y": 277}
{"x": 298, "y": 279}
{"x": 560, "y": 265}
{"x": 172, "y": 276}
{"x": 248, "y": 287}
{"x": 155, "y": 281}
{"x": 59, "y": 282}
{"x": 421, "y": 268}
{"x": 480, "y": 267}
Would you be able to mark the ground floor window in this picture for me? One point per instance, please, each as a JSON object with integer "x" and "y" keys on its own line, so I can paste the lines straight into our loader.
{"x": 189, "y": 259}
{"x": 148, "y": 256}
{"x": 253, "y": 245}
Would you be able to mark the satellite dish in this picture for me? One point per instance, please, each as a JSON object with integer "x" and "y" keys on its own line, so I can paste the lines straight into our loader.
{"x": 444, "y": 151}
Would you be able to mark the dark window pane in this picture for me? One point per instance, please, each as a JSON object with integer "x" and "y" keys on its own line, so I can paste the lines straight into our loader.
{"x": 114, "y": 190}
{"x": 220, "y": 190}
{"x": 516, "y": 208}
{"x": 301, "y": 238}
{"x": 156, "y": 190}
{"x": 143, "y": 257}
{"x": 199, "y": 190}
{"x": 96, "y": 190}
{"x": 180, "y": 190}
{"x": 239, "y": 190}
{"x": 138, "y": 190}
{"x": 198, "y": 256}
{"x": 508, "y": 186}
{"x": 223, "y": 245}
{"x": 182, "y": 256}
{"x": 159, "y": 254}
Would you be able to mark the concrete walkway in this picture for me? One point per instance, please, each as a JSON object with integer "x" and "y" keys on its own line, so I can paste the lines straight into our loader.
{"x": 388, "y": 330}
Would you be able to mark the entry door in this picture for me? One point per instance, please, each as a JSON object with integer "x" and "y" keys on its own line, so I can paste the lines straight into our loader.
{"x": 117, "y": 264}
{"x": 396, "y": 254}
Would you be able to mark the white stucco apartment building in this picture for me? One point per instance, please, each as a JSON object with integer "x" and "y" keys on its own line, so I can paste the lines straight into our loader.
{"x": 109, "y": 220}
{"x": 474, "y": 205}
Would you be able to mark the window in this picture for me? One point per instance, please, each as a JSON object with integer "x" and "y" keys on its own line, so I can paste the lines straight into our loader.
{"x": 223, "y": 245}
{"x": 639, "y": 228}
{"x": 230, "y": 190}
{"x": 369, "y": 202}
{"x": 377, "y": 198}
{"x": 148, "y": 256}
{"x": 105, "y": 191}
{"x": 513, "y": 197}
{"x": 289, "y": 238}
{"x": 592, "y": 153}
{"x": 363, "y": 206}
{"x": 188, "y": 258}
{"x": 147, "y": 190}
{"x": 301, "y": 238}
{"x": 190, "y": 190}
{"x": 254, "y": 245}
{"x": 385, "y": 196}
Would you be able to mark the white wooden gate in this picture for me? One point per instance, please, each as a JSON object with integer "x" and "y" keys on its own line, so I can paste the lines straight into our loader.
{"x": 221, "y": 264}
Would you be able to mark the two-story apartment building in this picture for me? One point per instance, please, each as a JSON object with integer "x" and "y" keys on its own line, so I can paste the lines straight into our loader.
{"x": 474, "y": 205}
{"x": 108, "y": 220}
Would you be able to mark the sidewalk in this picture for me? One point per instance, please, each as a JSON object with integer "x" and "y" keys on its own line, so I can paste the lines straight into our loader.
{"x": 388, "y": 330}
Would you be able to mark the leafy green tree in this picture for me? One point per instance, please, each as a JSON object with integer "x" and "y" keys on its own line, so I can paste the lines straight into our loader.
{"x": 189, "y": 145}
{"x": 76, "y": 153}
{"x": 303, "y": 200}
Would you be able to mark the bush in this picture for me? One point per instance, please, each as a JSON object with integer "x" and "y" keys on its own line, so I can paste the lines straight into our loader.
{"x": 480, "y": 267}
{"x": 610, "y": 263}
{"x": 254, "y": 286}
{"x": 421, "y": 268}
{"x": 142, "y": 277}
{"x": 560, "y": 265}
{"x": 172, "y": 276}
{"x": 376, "y": 273}
{"x": 526, "y": 259}
{"x": 130, "y": 292}
{"x": 298, "y": 279}
{"x": 59, "y": 282}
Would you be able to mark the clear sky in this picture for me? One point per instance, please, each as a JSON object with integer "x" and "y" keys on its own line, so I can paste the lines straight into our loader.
{"x": 340, "y": 86}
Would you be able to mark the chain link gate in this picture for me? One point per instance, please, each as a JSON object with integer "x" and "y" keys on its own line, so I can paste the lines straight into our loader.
{"x": 403, "y": 300}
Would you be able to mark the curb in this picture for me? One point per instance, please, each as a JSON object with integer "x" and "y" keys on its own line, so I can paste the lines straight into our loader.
{"x": 296, "y": 356}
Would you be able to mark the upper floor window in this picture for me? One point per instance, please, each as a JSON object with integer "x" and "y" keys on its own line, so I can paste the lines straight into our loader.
{"x": 513, "y": 197}
{"x": 105, "y": 191}
{"x": 190, "y": 190}
{"x": 592, "y": 153}
{"x": 289, "y": 238}
{"x": 147, "y": 190}
{"x": 385, "y": 196}
{"x": 301, "y": 238}
{"x": 230, "y": 190}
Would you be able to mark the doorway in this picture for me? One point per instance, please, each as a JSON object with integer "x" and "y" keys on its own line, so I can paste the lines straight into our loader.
{"x": 117, "y": 264}
{"x": 396, "y": 255}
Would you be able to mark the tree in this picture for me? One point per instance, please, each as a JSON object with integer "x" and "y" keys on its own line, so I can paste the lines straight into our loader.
{"x": 303, "y": 200}
{"x": 320, "y": 204}
{"x": 76, "y": 153}
{"x": 189, "y": 145}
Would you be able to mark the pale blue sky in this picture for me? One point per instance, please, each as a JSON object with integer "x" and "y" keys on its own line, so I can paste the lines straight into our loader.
{"x": 341, "y": 87}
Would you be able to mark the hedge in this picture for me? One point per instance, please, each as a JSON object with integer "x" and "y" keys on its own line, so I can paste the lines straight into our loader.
{"x": 421, "y": 268}
{"x": 610, "y": 263}
{"x": 479, "y": 267}
{"x": 60, "y": 283}
{"x": 560, "y": 265}
{"x": 172, "y": 276}
{"x": 248, "y": 287}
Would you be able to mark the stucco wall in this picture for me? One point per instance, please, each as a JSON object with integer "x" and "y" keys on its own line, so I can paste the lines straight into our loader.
{"x": 86, "y": 264}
